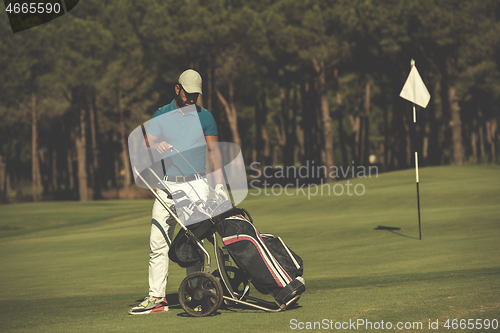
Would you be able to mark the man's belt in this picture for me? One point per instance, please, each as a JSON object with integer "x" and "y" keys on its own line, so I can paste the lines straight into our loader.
{"x": 183, "y": 179}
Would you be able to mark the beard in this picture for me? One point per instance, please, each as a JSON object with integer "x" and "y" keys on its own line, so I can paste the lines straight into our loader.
{"x": 180, "y": 103}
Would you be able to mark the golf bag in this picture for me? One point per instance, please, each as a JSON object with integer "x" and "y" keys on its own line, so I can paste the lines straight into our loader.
{"x": 273, "y": 268}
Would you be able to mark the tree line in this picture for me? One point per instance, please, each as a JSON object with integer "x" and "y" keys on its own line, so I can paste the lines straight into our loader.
{"x": 288, "y": 81}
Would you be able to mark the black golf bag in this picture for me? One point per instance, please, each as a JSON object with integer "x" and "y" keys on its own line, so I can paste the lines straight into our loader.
{"x": 273, "y": 268}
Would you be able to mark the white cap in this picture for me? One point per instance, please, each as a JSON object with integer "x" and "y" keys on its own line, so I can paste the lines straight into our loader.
{"x": 190, "y": 81}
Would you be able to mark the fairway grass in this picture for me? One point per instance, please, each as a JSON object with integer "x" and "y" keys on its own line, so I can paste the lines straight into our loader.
{"x": 79, "y": 267}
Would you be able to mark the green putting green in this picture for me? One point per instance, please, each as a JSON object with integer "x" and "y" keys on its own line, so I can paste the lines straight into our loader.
{"x": 79, "y": 267}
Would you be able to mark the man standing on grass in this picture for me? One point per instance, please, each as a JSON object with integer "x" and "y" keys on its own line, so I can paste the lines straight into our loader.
{"x": 175, "y": 127}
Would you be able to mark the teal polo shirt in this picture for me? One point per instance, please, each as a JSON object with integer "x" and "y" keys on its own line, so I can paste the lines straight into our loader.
{"x": 185, "y": 129}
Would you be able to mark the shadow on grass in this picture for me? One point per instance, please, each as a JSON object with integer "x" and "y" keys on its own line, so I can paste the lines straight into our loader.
{"x": 393, "y": 230}
{"x": 173, "y": 299}
{"x": 173, "y": 303}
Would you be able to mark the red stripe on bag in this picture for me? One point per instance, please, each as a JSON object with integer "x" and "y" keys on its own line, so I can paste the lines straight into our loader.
{"x": 277, "y": 263}
{"x": 248, "y": 238}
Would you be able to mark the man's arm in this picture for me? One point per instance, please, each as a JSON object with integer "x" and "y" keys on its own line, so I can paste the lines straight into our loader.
{"x": 215, "y": 158}
{"x": 161, "y": 147}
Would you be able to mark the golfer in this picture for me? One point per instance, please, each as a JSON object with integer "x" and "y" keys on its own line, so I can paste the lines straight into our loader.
{"x": 176, "y": 127}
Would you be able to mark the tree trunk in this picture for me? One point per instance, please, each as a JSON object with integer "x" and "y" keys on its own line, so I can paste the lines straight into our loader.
{"x": 71, "y": 173}
{"x": 279, "y": 130}
{"x": 96, "y": 172}
{"x": 444, "y": 136}
{"x": 123, "y": 141}
{"x": 261, "y": 136}
{"x": 452, "y": 109}
{"x": 3, "y": 180}
{"x": 116, "y": 170}
{"x": 482, "y": 149}
{"x": 387, "y": 146}
{"x": 306, "y": 122}
{"x": 311, "y": 121}
{"x": 473, "y": 143}
{"x": 326, "y": 120}
{"x": 295, "y": 130}
{"x": 491, "y": 128}
{"x": 288, "y": 128}
{"x": 265, "y": 136}
{"x": 355, "y": 121}
{"x": 409, "y": 153}
{"x": 81, "y": 156}
{"x": 35, "y": 161}
{"x": 366, "y": 131}
{"x": 54, "y": 184}
{"x": 433, "y": 129}
{"x": 43, "y": 157}
{"x": 400, "y": 137}
{"x": 230, "y": 109}
{"x": 425, "y": 142}
{"x": 456, "y": 126}
{"x": 340, "y": 117}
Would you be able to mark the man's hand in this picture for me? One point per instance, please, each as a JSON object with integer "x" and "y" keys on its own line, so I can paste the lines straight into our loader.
{"x": 219, "y": 189}
{"x": 163, "y": 147}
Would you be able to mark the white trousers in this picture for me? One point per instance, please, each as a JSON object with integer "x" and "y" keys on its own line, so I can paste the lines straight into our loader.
{"x": 162, "y": 232}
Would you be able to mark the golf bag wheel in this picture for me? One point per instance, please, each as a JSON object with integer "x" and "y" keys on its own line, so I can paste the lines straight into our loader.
{"x": 200, "y": 294}
{"x": 237, "y": 278}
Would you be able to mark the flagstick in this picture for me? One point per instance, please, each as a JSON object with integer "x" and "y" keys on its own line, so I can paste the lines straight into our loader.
{"x": 412, "y": 63}
{"x": 415, "y": 91}
{"x": 418, "y": 196}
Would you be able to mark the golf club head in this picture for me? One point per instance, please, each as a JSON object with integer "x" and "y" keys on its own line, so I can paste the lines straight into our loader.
{"x": 179, "y": 195}
{"x": 198, "y": 212}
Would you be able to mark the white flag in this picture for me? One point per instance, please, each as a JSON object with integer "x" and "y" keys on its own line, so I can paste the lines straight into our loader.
{"x": 414, "y": 89}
